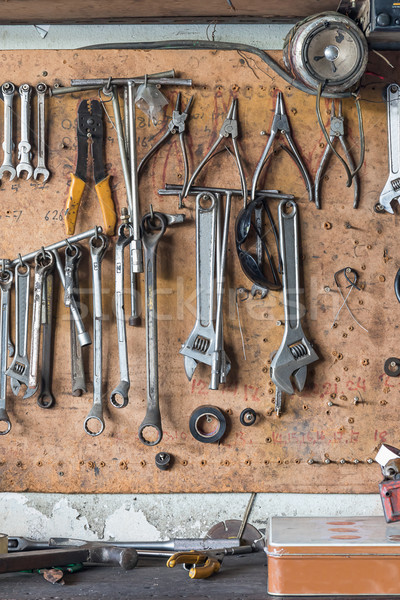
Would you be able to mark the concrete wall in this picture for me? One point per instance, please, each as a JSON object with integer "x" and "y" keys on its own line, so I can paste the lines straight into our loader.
{"x": 153, "y": 517}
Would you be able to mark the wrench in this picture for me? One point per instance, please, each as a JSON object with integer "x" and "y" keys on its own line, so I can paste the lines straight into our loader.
{"x": 151, "y": 235}
{"x": 200, "y": 344}
{"x": 44, "y": 262}
{"x": 41, "y": 168}
{"x": 255, "y": 288}
{"x": 122, "y": 388}
{"x": 24, "y": 147}
{"x": 6, "y": 279}
{"x": 83, "y": 335}
{"x": 46, "y": 398}
{"x": 18, "y": 371}
{"x": 391, "y": 191}
{"x": 98, "y": 247}
{"x": 8, "y": 91}
{"x": 295, "y": 351}
{"x": 73, "y": 255}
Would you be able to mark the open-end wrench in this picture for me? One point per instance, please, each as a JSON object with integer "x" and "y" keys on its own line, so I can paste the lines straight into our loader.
{"x": 46, "y": 398}
{"x": 98, "y": 246}
{"x": 153, "y": 228}
{"x": 200, "y": 345}
{"x": 73, "y": 255}
{"x": 295, "y": 351}
{"x": 391, "y": 191}
{"x": 44, "y": 262}
{"x": 24, "y": 146}
{"x": 41, "y": 168}
{"x": 125, "y": 236}
{"x": 6, "y": 279}
{"x": 8, "y": 91}
{"x": 18, "y": 371}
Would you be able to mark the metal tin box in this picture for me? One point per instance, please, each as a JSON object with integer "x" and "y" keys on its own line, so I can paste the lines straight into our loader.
{"x": 333, "y": 556}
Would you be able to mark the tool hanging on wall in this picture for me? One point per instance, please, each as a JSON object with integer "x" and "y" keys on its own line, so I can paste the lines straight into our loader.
{"x": 295, "y": 352}
{"x": 336, "y": 133}
{"x": 176, "y": 125}
{"x": 90, "y": 132}
{"x": 388, "y": 458}
{"x": 154, "y": 225}
{"x": 280, "y": 125}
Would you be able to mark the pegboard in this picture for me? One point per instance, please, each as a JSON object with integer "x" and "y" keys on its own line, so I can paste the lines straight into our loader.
{"x": 48, "y": 450}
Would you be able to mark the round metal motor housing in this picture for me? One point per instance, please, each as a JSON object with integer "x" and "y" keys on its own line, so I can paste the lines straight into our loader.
{"x": 326, "y": 48}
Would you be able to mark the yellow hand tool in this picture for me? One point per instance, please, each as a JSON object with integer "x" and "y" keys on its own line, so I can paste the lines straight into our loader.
{"x": 90, "y": 132}
{"x": 202, "y": 564}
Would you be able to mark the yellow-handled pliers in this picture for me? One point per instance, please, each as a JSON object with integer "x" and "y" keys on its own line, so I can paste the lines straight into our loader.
{"x": 90, "y": 131}
{"x": 202, "y": 564}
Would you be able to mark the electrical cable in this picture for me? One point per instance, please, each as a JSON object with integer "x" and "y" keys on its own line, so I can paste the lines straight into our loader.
{"x": 211, "y": 45}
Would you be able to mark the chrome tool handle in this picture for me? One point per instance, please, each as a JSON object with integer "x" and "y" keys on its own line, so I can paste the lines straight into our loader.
{"x": 206, "y": 222}
{"x": 289, "y": 247}
{"x": 6, "y": 280}
{"x": 393, "y": 116}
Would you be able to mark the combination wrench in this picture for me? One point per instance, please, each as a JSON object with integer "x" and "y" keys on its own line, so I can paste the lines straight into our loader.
{"x": 8, "y": 91}
{"x": 24, "y": 146}
{"x": 125, "y": 236}
{"x": 18, "y": 371}
{"x": 153, "y": 227}
{"x": 44, "y": 262}
{"x": 6, "y": 279}
{"x": 41, "y": 168}
{"x": 45, "y": 398}
{"x": 295, "y": 351}
{"x": 73, "y": 255}
{"x": 98, "y": 246}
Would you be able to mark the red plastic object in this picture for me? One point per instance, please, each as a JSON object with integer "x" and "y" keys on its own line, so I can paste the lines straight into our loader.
{"x": 389, "y": 490}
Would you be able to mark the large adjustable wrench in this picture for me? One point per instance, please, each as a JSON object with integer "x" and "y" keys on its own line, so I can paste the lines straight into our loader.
{"x": 295, "y": 351}
{"x": 6, "y": 279}
{"x": 24, "y": 146}
{"x": 391, "y": 191}
{"x": 151, "y": 235}
{"x": 203, "y": 344}
{"x": 8, "y": 91}
{"x": 41, "y": 168}
{"x": 98, "y": 246}
{"x": 18, "y": 371}
{"x": 44, "y": 262}
{"x": 125, "y": 236}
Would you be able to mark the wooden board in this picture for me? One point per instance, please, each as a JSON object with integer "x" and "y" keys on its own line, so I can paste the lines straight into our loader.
{"x": 150, "y": 11}
{"x": 48, "y": 450}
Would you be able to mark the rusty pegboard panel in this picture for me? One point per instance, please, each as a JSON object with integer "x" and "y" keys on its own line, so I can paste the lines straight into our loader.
{"x": 48, "y": 450}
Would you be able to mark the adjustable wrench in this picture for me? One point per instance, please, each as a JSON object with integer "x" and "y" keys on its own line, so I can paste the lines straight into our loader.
{"x": 73, "y": 255}
{"x": 18, "y": 371}
{"x": 44, "y": 262}
{"x": 295, "y": 351}
{"x": 41, "y": 168}
{"x": 201, "y": 341}
{"x": 151, "y": 235}
{"x": 6, "y": 279}
{"x": 125, "y": 236}
{"x": 98, "y": 246}
{"x": 24, "y": 146}
{"x": 46, "y": 398}
{"x": 391, "y": 191}
{"x": 8, "y": 91}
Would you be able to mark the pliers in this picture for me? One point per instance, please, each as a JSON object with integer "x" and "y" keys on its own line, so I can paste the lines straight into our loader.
{"x": 90, "y": 131}
{"x": 229, "y": 129}
{"x": 202, "y": 564}
{"x": 177, "y": 124}
{"x": 336, "y": 132}
{"x": 280, "y": 125}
